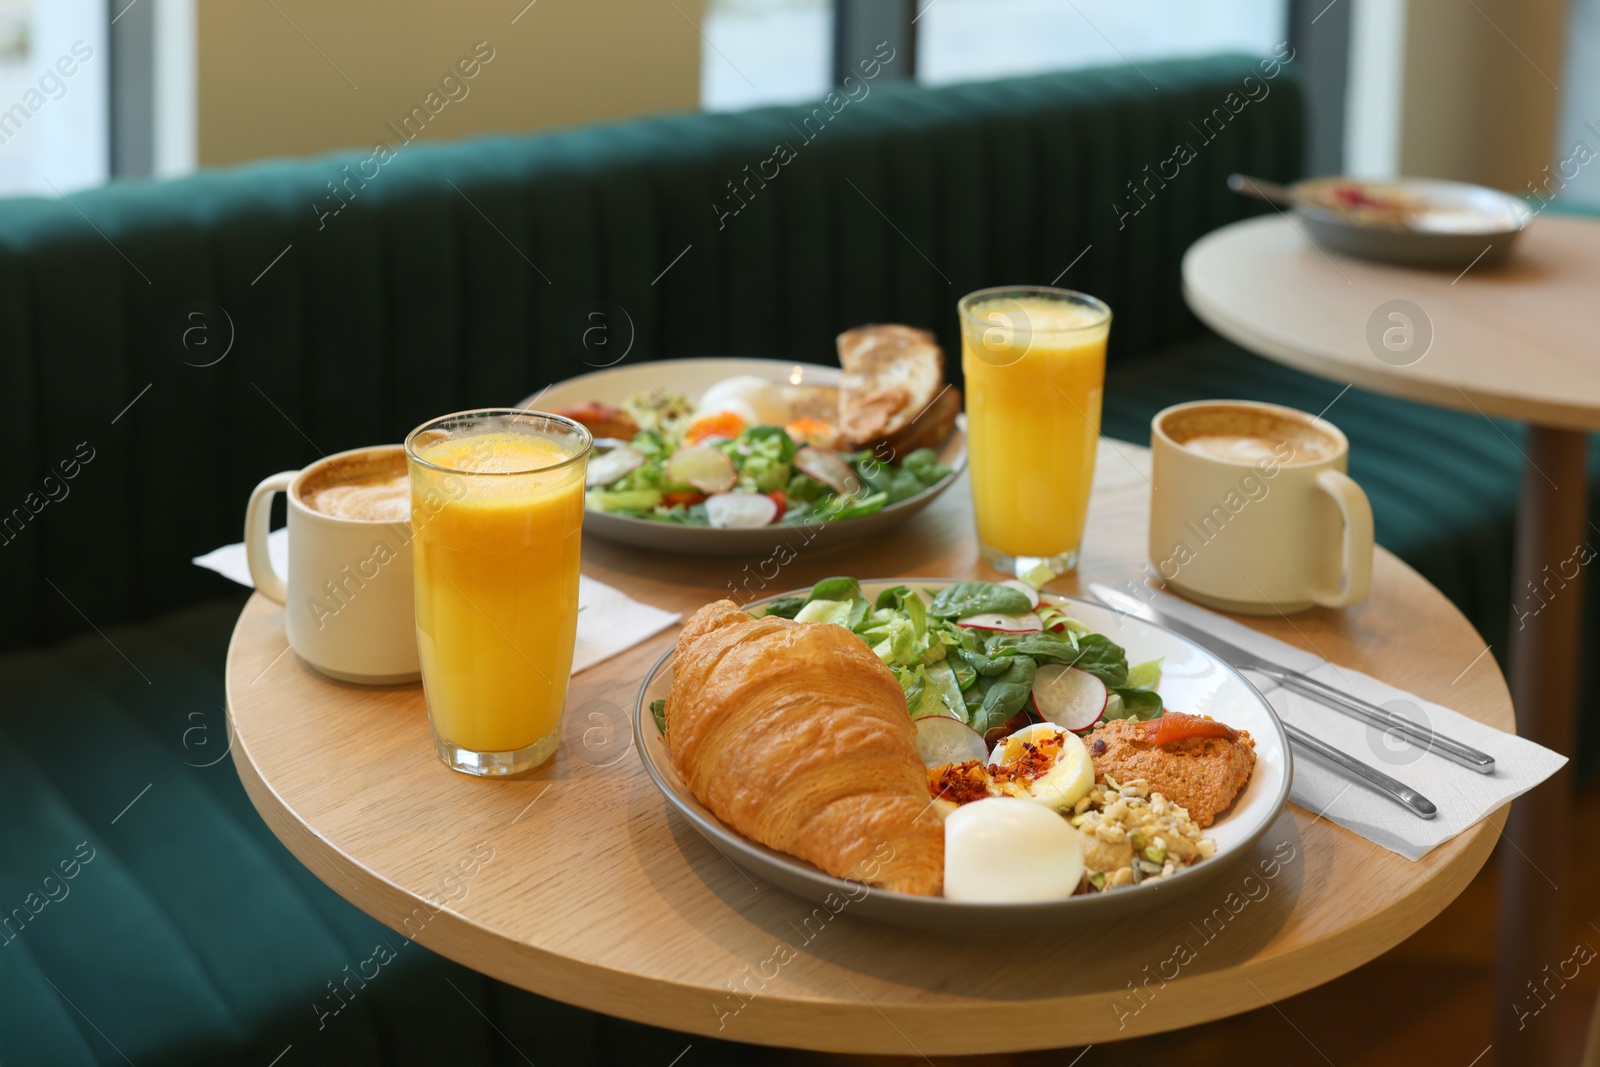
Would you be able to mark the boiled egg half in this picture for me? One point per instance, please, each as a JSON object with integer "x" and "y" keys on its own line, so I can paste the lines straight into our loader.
{"x": 1004, "y": 850}
{"x": 1043, "y": 763}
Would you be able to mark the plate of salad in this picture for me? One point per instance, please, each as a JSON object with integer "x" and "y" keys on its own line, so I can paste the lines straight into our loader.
{"x": 734, "y": 457}
{"x": 982, "y": 664}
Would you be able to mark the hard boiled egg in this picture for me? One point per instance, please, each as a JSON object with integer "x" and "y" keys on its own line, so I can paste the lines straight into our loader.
{"x": 1009, "y": 851}
{"x": 1057, "y": 772}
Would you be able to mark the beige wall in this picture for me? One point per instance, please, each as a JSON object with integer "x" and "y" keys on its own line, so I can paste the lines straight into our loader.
{"x": 267, "y": 87}
{"x": 1480, "y": 99}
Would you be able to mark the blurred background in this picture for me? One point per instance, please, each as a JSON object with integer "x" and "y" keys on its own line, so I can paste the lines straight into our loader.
{"x": 1481, "y": 90}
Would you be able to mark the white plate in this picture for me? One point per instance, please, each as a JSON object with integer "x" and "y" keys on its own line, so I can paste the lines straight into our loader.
{"x": 690, "y": 378}
{"x": 1192, "y": 680}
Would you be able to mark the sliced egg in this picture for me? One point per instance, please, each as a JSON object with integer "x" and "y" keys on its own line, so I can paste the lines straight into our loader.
{"x": 1009, "y": 851}
{"x": 1068, "y": 777}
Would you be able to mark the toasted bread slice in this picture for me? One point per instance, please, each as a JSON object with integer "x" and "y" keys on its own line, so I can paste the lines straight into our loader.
{"x": 891, "y": 373}
{"x": 813, "y": 402}
{"x": 929, "y": 429}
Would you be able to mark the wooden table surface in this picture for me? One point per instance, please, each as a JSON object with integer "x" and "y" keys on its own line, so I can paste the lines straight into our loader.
{"x": 1515, "y": 340}
{"x": 577, "y": 881}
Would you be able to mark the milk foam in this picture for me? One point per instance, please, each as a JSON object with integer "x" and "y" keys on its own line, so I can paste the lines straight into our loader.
{"x": 1234, "y": 448}
{"x": 384, "y": 497}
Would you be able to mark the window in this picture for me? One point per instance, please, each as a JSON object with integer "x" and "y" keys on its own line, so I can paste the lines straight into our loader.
{"x": 1579, "y": 110}
{"x": 765, "y": 52}
{"x": 968, "y": 40}
{"x": 54, "y": 95}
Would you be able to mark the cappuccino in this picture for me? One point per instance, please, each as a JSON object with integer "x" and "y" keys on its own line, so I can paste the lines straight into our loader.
{"x": 1251, "y": 510}
{"x": 1249, "y": 436}
{"x": 367, "y": 487}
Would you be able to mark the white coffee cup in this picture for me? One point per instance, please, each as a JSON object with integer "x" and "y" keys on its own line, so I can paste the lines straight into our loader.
{"x": 1252, "y": 511}
{"x": 347, "y": 598}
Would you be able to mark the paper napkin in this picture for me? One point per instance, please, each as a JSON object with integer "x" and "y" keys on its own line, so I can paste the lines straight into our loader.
{"x": 1463, "y": 796}
{"x": 609, "y": 621}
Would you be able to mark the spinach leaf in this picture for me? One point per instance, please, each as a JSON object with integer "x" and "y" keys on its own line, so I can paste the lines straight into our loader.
{"x": 1041, "y": 647}
{"x": 893, "y": 597}
{"x": 903, "y": 485}
{"x": 1141, "y": 704}
{"x": 836, "y": 589}
{"x": 658, "y": 712}
{"x": 877, "y": 476}
{"x": 985, "y": 666}
{"x": 870, "y": 504}
{"x": 975, "y": 598}
{"x": 1103, "y": 658}
{"x": 786, "y": 607}
{"x": 925, "y": 466}
{"x": 995, "y": 698}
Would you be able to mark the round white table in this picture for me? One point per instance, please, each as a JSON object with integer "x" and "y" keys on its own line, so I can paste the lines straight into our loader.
{"x": 1515, "y": 341}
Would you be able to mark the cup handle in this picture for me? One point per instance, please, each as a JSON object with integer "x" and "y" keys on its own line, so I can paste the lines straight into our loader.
{"x": 1358, "y": 540}
{"x": 257, "y": 525}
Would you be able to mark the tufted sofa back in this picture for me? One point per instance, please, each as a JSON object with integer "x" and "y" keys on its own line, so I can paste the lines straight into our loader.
{"x": 164, "y": 345}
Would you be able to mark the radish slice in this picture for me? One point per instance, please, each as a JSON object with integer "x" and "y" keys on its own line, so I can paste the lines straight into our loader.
{"x": 1011, "y": 624}
{"x": 941, "y": 741}
{"x": 704, "y": 468}
{"x": 829, "y": 468}
{"x": 740, "y": 511}
{"x": 613, "y": 465}
{"x": 1073, "y": 699}
{"x": 1024, "y": 588}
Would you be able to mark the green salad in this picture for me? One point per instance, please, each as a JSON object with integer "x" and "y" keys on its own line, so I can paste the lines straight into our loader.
{"x": 986, "y": 653}
{"x": 759, "y": 478}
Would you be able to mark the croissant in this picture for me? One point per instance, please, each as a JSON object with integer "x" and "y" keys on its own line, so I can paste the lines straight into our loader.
{"x": 795, "y": 735}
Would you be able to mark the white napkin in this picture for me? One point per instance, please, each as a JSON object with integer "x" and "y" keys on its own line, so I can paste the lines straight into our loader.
{"x": 1463, "y": 796}
{"x": 609, "y": 621}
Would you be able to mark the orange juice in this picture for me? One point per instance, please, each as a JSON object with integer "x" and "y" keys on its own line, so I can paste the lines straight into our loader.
{"x": 497, "y": 517}
{"x": 1034, "y": 363}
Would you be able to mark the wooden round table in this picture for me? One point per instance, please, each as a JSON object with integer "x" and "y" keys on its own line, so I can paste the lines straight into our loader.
{"x": 1515, "y": 341}
{"x": 578, "y": 881}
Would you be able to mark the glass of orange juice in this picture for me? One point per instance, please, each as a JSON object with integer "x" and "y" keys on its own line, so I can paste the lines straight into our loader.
{"x": 1034, "y": 359}
{"x": 496, "y": 516}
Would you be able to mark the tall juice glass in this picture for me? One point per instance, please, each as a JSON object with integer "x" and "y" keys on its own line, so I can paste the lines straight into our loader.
{"x": 1034, "y": 359}
{"x": 497, "y": 514}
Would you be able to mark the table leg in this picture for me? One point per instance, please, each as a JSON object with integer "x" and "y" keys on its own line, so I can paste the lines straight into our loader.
{"x": 1552, "y": 522}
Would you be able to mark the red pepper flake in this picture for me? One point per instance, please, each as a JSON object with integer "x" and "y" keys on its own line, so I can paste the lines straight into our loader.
{"x": 1036, "y": 760}
{"x": 959, "y": 783}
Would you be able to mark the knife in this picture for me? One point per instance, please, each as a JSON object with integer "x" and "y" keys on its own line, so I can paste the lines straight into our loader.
{"x": 1243, "y": 659}
{"x": 1393, "y": 788}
